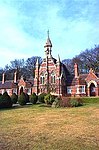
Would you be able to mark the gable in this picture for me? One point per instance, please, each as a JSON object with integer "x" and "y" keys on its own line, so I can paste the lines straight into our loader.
{"x": 22, "y": 82}
{"x": 91, "y": 76}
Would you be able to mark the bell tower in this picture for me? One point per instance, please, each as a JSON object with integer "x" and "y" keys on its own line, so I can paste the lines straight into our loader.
{"x": 48, "y": 47}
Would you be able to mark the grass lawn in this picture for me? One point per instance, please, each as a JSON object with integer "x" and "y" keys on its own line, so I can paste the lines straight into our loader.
{"x": 43, "y": 128}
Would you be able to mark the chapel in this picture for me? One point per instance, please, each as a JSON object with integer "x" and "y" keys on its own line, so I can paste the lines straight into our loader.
{"x": 53, "y": 76}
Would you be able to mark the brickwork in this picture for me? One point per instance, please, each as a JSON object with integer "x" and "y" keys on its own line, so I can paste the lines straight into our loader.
{"x": 52, "y": 76}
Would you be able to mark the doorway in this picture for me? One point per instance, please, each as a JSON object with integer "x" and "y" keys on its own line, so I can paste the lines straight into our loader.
{"x": 21, "y": 90}
{"x": 92, "y": 90}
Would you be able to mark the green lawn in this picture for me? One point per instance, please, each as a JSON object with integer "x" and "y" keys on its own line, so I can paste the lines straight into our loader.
{"x": 43, "y": 128}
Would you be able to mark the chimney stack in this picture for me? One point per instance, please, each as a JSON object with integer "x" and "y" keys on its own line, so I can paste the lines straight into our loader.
{"x": 76, "y": 70}
{"x": 15, "y": 77}
{"x": 3, "y": 78}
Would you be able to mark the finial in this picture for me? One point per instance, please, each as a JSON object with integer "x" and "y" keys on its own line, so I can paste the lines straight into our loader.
{"x": 48, "y": 34}
{"x": 91, "y": 70}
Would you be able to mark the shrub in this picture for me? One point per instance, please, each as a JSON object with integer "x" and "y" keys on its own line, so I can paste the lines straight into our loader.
{"x": 71, "y": 102}
{"x": 49, "y": 99}
{"x": 14, "y": 98}
{"x": 65, "y": 102}
{"x": 41, "y": 97}
{"x": 56, "y": 103}
{"x": 22, "y": 99}
{"x": 75, "y": 102}
{"x": 80, "y": 102}
{"x": 5, "y": 101}
{"x": 33, "y": 98}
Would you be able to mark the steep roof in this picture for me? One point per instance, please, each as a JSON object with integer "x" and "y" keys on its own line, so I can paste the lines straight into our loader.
{"x": 48, "y": 42}
{"x": 8, "y": 85}
{"x": 82, "y": 79}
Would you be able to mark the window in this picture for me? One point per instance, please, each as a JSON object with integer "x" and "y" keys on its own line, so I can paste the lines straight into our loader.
{"x": 81, "y": 89}
{"x": 15, "y": 90}
{"x": 42, "y": 79}
{"x": 29, "y": 91}
{"x": 69, "y": 90}
{"x": 52, "y": 77}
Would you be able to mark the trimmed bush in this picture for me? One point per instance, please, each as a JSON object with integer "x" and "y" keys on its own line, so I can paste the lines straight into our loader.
{"x": 33, "y": 98}
{"x": 41, "y": 97}
{"x": 14, "y": 98}
{"x": 22, "y": 99}
{"x": 5, "y": 101}
{"x": 49, "y": 99}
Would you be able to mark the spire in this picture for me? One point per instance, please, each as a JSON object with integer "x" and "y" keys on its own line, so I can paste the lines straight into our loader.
{"x": 48, "y": 34}
{"x": 48, "y": 42}
{"x": 48, "y": 46}
{"x": 58, "y": 58}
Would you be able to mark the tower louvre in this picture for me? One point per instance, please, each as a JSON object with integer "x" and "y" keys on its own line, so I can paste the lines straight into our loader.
{"x": 48, "y": 47}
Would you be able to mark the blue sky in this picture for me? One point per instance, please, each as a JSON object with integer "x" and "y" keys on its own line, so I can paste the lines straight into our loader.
{"x": 73, "y": 26}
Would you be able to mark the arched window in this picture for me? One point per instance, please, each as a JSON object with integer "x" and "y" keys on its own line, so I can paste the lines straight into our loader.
{"x": 53, "y": 77}
{"x": 42, "y": 78}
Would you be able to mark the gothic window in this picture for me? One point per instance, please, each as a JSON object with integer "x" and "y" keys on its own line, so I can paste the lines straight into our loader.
{"x": 42, "y": 78}
{"x": 52, "y": 77}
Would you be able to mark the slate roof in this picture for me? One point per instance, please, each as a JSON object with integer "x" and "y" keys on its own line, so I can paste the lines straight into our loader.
{"x": 48, "y": 43}
{"x": 8, "y": 85}
{"x": 82, "y": 78}
{"x": 72, "y": 81}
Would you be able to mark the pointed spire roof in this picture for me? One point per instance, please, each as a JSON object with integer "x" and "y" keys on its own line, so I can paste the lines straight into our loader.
{"x": 48, "y": 42}
{"x": 58, "y": 58}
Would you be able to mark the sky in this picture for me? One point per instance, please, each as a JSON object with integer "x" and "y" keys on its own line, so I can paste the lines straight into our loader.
{"x": 73, "y": 27}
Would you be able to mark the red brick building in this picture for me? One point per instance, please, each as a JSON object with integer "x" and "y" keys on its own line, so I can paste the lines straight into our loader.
{"x": 52, "y": 76}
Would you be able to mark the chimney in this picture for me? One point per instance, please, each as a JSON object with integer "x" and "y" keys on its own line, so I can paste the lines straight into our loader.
{"x": 76, "y": 70}
{"x": 3, "y": 78}
{"x": 15, "y": 77}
